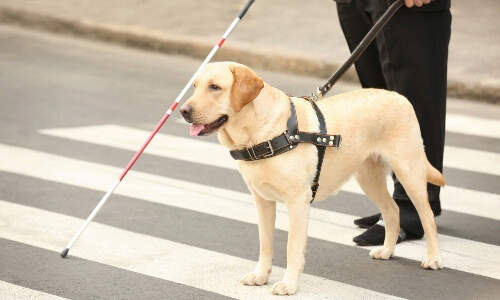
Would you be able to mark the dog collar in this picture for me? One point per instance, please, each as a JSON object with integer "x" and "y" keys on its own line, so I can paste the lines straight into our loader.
{"x": 289, "y": 140}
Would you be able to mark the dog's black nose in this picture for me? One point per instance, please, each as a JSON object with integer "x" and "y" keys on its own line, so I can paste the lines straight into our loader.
{"x": 187, "y": 113}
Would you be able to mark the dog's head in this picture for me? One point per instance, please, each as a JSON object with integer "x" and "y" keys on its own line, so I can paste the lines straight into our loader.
{"x": 221, "y": 92}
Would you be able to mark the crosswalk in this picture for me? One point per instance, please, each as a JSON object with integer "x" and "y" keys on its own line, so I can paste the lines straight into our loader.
{"x": 458, "y": 253}
{"x": 206, "y": 269}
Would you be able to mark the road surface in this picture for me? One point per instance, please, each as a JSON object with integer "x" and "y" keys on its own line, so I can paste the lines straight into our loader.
{"x": 182, "y": 224}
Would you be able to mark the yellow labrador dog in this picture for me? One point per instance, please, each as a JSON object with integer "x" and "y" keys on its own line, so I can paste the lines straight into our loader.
{"x": 379, "y": 130}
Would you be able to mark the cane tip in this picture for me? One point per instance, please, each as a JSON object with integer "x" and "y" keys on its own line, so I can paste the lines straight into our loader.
{"x": 64, "y": 253}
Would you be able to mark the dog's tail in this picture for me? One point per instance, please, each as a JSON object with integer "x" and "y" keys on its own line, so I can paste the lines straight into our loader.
{"x": 434, "y": 176}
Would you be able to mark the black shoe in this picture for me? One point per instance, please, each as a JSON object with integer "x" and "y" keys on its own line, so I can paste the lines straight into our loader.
{"x": 409, "y": 220}
{"x": 367, "y": 222}
{"x": 411, "y": 228}
{"x": 373, "y": 236}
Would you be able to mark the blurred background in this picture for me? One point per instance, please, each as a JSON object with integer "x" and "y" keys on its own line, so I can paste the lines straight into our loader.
{"x": 283, "y": 35}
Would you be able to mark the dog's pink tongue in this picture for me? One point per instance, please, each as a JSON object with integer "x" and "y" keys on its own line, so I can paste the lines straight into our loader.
{"x": 195, "y": 130}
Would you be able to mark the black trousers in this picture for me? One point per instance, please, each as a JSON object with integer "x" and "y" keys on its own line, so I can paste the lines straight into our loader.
{"x": 410, "y": 57}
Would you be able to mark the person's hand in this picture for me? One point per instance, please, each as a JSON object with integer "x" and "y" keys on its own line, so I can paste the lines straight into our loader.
{"x": 418, "y": 3}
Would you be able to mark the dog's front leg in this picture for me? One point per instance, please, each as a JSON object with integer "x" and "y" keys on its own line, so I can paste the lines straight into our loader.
{"x": 266, "y": 211}
{"x": 298, "y": 214}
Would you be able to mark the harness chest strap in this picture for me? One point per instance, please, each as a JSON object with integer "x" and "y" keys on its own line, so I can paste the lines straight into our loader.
{"x": 289, "y": 139}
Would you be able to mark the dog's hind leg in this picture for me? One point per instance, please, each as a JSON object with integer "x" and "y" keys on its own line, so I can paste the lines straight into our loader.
{"x": 372, "y": 179}
{"x": 411, "y": 172}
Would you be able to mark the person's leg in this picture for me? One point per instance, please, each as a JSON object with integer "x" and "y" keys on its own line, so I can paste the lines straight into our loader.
{"x": 355, "y": 24}
{"x": 413, "y": 49}
{"x": 413, "y": 53}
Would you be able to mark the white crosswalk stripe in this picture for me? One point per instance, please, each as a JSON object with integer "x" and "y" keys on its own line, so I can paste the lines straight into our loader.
{"x": 163, "y": 145}
{"x": 9, "y": 291}
{"x": 459, "y": 254}
{"x": 472, "y": 160}
{"x": 202, "y": 152}
{"x": 459, "y": 123}
{"x": 199, "y": 151}
{"x": 192, "y": 266}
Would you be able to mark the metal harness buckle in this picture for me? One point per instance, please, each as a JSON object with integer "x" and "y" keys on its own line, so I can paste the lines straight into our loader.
{"x": 254, "y": 157}
{"x": 270, "y": 146}
{"x": 290, "y": 143}
{"x": 316, "y": 95}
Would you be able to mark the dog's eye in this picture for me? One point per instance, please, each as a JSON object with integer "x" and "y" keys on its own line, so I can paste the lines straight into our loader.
{"x": 214, "y": 87}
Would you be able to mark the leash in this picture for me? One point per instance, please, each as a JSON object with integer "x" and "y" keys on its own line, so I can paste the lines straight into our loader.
{"x": 360, "y": 49}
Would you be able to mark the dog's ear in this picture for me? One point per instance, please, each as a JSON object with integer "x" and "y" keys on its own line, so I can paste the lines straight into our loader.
{"x": 246, "y": 86}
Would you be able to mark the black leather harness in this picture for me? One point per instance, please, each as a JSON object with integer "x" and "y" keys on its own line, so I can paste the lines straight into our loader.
{"x": 292, "y": 136}
{"x": 289, "y": 140}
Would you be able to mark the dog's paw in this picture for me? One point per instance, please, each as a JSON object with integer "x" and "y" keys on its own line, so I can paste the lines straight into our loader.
{"x": 284, "y": 288}
{"x": 381, "y": 253}
{"x": 432, "y": 262}
{"x": 254, "y": 278}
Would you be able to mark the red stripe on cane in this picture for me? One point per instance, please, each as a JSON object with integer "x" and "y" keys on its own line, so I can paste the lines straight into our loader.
{"x": 136, "y": 156}
{"x": 221, "y": 42}
{"x": 157, "y": 128}
{"x": 172, "y": 108}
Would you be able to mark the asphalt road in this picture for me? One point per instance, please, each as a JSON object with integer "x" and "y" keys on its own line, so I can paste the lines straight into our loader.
{"x": 182, "y": 225}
